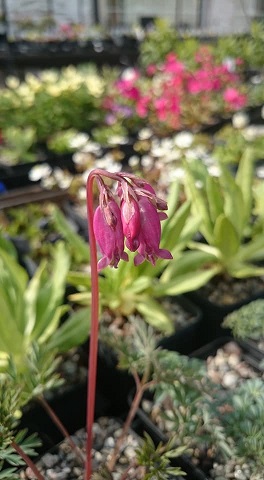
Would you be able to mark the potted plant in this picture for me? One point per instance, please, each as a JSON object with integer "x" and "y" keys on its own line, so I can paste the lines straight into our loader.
{"x": 214, "y": 407}
{"x": 246, "y": 323}
{"x": 231, "y": 237}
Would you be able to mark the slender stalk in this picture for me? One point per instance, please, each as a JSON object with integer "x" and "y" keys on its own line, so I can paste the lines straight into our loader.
{"x": 93, "y": 344}
{"x": 61, "y": 427}
{"x": 140, "y": 389}
{"x": 27, "y": 460}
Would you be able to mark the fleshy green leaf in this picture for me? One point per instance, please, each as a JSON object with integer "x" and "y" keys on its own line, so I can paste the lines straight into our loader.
{"x": 72, "y": 332}
{"x": 226, "y": 237}
{"x": 155, "y": 314}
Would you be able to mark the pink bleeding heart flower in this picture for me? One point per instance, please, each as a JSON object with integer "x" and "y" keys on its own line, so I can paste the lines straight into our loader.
{"x": 108, "y": 231}
{"x": 130, "y": 216}
{"x": 150, "y": 234}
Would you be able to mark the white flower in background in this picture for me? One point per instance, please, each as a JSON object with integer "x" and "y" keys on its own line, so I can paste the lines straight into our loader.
{"x": 199, "y": 184}
{"x": 262, "y": 112}
{"x": 81, "y": 193}
{"x": 183, "y": 140}
{"x": 214, "y": 170}
{"x": 108, "y": 163}
{"x": 12, "y": 82}
{"x": 209, "y": 160}
{"x": 147, "y": 161}
{"x": 172, "y": 156}
{"x": 95, "y": 85}
{"x": 39, "y": 172}
{"x": 62, "y": 178}
{"x": 260, "y": 172}
{"x": 92, "y": 147}
{"x": 133, "y": 161}
{"x": 144, "y": 134}
{"x": 170, "y": 174}
{"x": 251, "y": 132}
{"x": 230, "y": 64}
{"x": 81, "y": 158}
{"x": 161, "y": 148}
{"x": 129, "y": 74}
{"x": 79, "y": 140}
{"x": 49, "y": 76}
{"x": 33, "y": 82}
{"x": 48, "y": 182}
{"x": 117, "y": 140}
{"x": 256, "y": 79}
{"x": 240, "y": 120}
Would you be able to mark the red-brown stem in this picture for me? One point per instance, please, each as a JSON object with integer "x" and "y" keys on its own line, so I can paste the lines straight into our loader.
{"x": 140, "y": 389}
{"x": 27, "y": 460}
{"x": 60, "y": 427}
{"x": 93, "y": 344}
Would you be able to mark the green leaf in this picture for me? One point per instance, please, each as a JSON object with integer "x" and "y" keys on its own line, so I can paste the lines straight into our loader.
{"x": 155, "y": 314}
{"x": 188, "y": 261}
{"x": 215, "y": 200}
{"x": 11, "y": 340}
{"x": 8, "y": 246}
{"x": 51, "y": 293}
{"x": 243, "y": 270}
{"x": 234, "y": 207}
{"x": 31, "y": 297}
{"x": 199, "y": 201}
{"x": 252, "y": 250}
{"x": 78, "y": 279}
{"x": 244, "y": 179}
{"x": 78, "y": 245}
{"x": 72, "y": 332}
{"x": 226, "y": 238}
{"x": 140, "y": 284}
{"x": 186, "y": 282}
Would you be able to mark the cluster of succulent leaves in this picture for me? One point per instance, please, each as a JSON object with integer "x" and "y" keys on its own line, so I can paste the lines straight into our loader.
{"x": 234, "y": 241}
{"x": 18, "y": 145}
{"x": 247, "y": 321}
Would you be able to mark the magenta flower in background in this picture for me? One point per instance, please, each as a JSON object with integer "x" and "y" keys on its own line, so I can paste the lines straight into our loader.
{"x": 109, "y": 235}
{"x": 234, "y": 98}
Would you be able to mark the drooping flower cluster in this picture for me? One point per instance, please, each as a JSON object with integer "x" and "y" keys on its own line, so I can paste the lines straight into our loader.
{"x": 131, "y": 217}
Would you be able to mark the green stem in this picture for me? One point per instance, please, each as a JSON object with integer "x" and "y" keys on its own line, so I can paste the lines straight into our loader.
{"x": 27, "y": 460}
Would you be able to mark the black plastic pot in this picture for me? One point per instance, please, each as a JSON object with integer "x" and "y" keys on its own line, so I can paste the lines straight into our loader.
{"x": 186, "y": 338}
{"x": 213, "y": 314}
{"x": 17, "y": 176}
{"x": 248, "y": 353}
{"x": 144, "y": 424}
{"x": 69, "y": 405}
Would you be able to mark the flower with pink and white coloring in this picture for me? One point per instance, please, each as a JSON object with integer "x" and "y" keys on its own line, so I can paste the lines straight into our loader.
{"x": 150, "y": 234}
{"x": 108, "y": 231}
